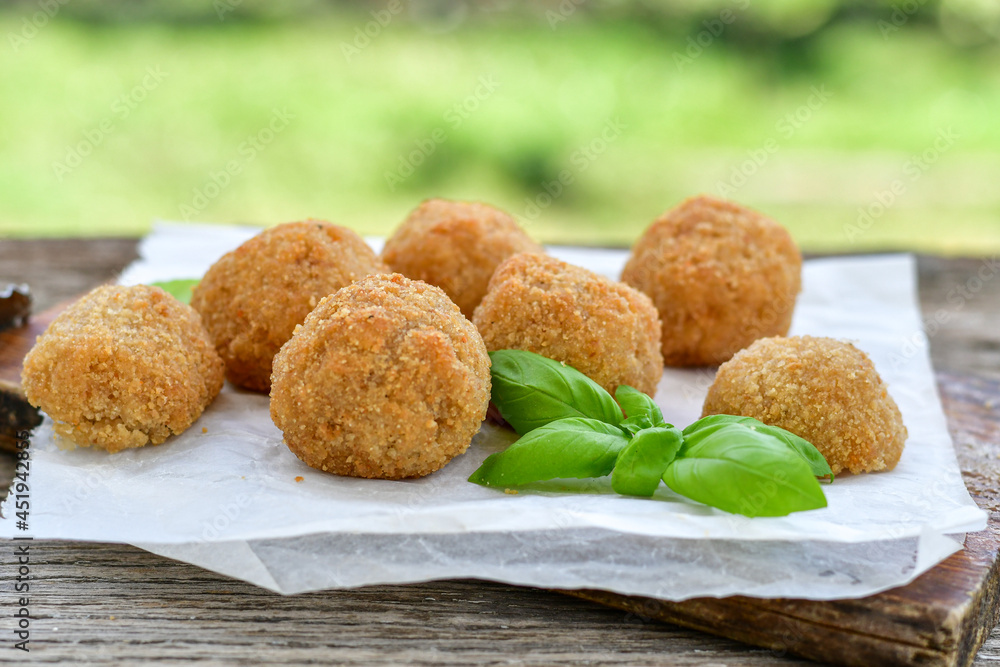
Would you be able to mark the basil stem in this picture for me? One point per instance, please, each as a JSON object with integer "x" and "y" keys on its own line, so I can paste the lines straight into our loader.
{"x": 566, "y": 448}
{"x": 531, "y": 391}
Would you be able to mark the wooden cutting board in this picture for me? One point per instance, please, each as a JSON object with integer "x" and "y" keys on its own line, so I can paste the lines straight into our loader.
{"x": 942, "y": 618}
{"x": 15, "y": 343}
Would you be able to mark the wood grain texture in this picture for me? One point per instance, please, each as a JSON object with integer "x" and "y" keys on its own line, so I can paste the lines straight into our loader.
{"x": 112, "y": 604}
{"x": 61, "y": 269}
{"x": 942, "y": 618}
{"x": 960, "y": 298}
{"x": 15, "y": 342}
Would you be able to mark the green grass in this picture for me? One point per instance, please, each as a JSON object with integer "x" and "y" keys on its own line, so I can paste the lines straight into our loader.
{"x": 684, "y": 131}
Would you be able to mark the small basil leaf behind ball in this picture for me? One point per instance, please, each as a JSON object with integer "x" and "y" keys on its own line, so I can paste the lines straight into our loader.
{"x": 180, "y": 289}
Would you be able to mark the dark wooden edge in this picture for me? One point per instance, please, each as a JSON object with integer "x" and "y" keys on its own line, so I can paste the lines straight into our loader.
{"x": 892, "y": 628}
{"x": 941, "y": 618}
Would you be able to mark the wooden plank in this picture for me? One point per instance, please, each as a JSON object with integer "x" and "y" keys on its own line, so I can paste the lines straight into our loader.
{"x": 16, "y": 341}
{"x": 941, "y": 618}
{"x": 171, "y": 612}
{"x": 103, "y": 604}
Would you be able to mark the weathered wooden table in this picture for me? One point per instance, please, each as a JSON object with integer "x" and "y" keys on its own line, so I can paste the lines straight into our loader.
{"x": 112, "y": 604}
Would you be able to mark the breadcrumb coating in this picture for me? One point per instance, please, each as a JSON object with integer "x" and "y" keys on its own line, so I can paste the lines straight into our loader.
{"x": 385, "y": 379}
{"x": 456, "y": 246}
{"x": 123, "y": 367}
{"x": 252, "y": 298}
{"x": 821, "y": 389}
{"x": 605, "y": 329}
{"x": 721, "y": 276}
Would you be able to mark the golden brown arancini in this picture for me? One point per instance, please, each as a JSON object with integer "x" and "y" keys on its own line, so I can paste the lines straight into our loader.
{"x": 456, "y": 246}
{"x": 252, "y": 298}
{"x": 385, "y": 379}
{"x": 721, "y": 276}
{"x": 123, "y": 367}
{"x": 605, "y": 329}
{"x": 821, "y": 389}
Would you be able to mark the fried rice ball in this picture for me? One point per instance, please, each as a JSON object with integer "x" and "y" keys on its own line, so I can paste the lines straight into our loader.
{"x": 252, "y": 298}
{"x": 385, "y": 379}
{"x": 605, "y": 329}
{"x": 821, "y": 389}
{"x": 123, "y": 367}
{"x": 456, "y": 246}
{"x": 721, "y": 276}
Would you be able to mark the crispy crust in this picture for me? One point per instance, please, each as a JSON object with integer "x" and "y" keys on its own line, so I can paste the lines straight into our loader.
{"x": 123, "y": 367}
{"x": 604, "y": 329}
{"x": 721, "y": 276}
{"x": 385, "y": 379}
{"x": 821, "y": 389}
{"x": 456, "y": 246}
{"x": 252, "y": 298}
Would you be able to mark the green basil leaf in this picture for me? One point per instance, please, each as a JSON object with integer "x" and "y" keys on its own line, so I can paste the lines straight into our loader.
{"x": 811, "y": 455}
{"x": 708, "y": 425}
{"x": 641, "y": 465}
{"x": 635, "y": 403}
{"x": 179, "y": 289}
{"x": 531, "y": 391}
{"x": 743, "y": 471}
{"x": 705, "y": 427}
{"x": 566, "y": 448}
{"x": 633, "y": 425}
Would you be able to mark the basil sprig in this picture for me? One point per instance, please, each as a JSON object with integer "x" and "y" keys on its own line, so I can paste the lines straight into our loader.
{"x": 572, "y": 428}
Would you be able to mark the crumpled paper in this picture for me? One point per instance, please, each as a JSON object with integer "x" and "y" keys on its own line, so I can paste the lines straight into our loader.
{"x": 224, "y": 494}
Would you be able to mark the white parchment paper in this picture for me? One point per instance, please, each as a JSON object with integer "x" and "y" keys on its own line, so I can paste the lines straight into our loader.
{"x": 224, "y": 494}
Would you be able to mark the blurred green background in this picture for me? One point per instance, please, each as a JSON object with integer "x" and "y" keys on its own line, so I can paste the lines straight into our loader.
{"x": 858, "y": 125}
